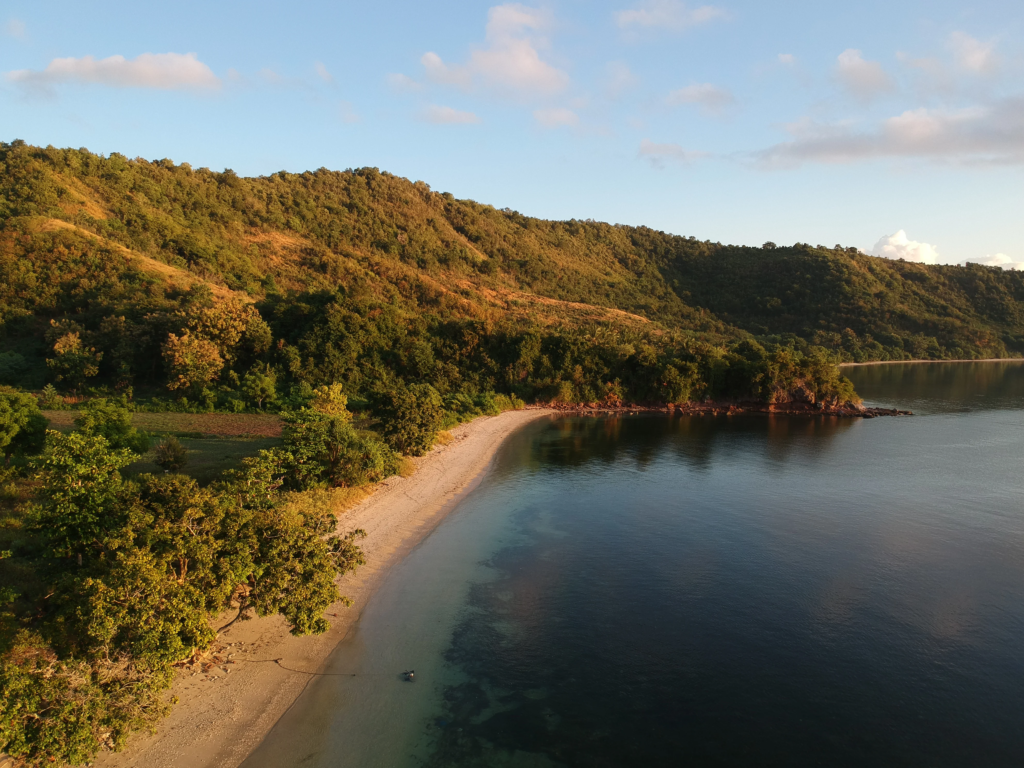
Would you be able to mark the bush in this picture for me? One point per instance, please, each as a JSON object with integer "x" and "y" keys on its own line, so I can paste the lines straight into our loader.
{"x": 52, "y": 400}
{"x": 410, "y": 417}
{"x": 22, "y": 425}
{"x": 171, "y": 455}
{"x": 328, "y": 451}
{"x": 113, "y": 420}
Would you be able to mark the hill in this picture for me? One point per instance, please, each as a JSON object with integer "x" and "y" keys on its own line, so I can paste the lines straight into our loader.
{"x": 359, "y": 275}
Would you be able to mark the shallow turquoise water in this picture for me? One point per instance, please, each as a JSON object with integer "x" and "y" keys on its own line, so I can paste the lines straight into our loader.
{"x": 708, "y": 591}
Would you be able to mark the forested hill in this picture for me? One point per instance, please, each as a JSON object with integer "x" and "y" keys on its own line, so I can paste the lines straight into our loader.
{"x": 86, "y": 239}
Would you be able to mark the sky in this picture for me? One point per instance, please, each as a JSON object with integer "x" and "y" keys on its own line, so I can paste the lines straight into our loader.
{"x": 896, "y": 127}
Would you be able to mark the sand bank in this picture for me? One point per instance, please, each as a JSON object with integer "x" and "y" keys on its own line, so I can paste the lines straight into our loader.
{"x": 224, "y": 711}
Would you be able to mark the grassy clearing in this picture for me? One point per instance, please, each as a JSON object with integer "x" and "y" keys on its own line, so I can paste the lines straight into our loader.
{"x": 209, "y": 456}
{"x": 219, "y": 424}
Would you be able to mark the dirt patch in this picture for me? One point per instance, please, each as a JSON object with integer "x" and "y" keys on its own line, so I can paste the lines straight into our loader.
{"x": 508, "y": 301}
{"x": 147, "y": 264}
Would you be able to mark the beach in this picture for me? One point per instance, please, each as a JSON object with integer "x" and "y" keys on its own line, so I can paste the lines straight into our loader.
{"x": 228, "y": 703}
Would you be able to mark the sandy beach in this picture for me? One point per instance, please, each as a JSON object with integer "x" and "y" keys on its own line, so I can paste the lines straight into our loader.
{"x": 227, "y": 706}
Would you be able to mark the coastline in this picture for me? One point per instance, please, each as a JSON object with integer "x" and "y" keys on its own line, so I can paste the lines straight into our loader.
{"x": 256, "y": 670}
{"x": 916, "y": 362}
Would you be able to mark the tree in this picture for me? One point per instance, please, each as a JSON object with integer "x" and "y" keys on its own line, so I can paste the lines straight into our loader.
{"x": 22, "y": 425}
{"x": 327, "y": 451}
{"x": 73, "y": 362}
{"x": 191, "y": 362}
{"x": 171, "y": 455}
{"x": 331, "y": 401}
{"x": 82, "y": 498}
{"x": 410, "y": 417}
{"x": 113, "y": 420}
{"x": 290, "y": 559}
{"x": 259, "y": 386}
{"x": 51, "y": 400}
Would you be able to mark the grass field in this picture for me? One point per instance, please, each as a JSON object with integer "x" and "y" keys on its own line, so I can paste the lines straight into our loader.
{"x": 214, "y": 441}
{"x": 219, "y": 424}
{"x": 209, "y": 456}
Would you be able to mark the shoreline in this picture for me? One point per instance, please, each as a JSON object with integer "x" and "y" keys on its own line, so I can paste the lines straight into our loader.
{"x": 228, "y": 702}
{"x": 732, "y": 408}
{"x": 918, "y": 362}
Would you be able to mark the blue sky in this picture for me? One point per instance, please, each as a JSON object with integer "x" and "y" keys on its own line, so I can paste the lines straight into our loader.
{"x": 896, "y": 127}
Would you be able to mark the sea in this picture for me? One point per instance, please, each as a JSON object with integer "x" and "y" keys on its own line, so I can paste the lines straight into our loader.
{"x": 744, "y": 590}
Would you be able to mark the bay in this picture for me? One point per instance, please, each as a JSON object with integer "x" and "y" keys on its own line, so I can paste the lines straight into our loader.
{"x": 719, "y": 591}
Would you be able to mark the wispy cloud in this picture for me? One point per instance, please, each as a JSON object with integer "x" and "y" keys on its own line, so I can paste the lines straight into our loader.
{"x": 972, "y": 55}
{"x": 672, "y": 15}
{"x": 14, "y": 28}
{"x": 347, "y": 113}
{"x": 619, "y": 79}
{"x": 323, "y": 73}
{"x": 658, "y": 155}
{"x": 710, "y": 98}
{"x": 989, "y": 134}
{"x": 164, "y": 71}
{"x": 864, "y": 79}
{"x": 403, "y": 83}
{"x": 510, "y": 61}
{"x": 558, "y": 117}
{"x": 447, "y": 116}
{"x": 787, "y": 58}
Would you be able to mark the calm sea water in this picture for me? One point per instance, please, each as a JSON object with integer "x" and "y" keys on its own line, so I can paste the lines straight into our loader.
{"x": 730, "y": 591}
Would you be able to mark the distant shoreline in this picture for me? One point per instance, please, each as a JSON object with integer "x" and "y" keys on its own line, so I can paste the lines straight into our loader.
{"x": 914, "y": 362}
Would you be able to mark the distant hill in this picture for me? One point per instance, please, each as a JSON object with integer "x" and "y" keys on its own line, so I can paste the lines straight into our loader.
{"x": 85, "y": 238}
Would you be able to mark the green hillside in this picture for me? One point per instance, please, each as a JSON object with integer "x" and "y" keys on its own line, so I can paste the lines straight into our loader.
{"x": 87, "y": 238}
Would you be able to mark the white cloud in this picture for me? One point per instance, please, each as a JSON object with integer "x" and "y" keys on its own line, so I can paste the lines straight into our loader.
{"x": 165, "y": 71}
{"x": 710, "y": 98}
{"x": 448, "y": 116}
{"x": 324, "y": 74}
{"x": 15, "y": 28}
{"x": 999, "y": 260}
{"x": 510, "y": 63}
{"x": 864, "y": 79}
{"x": 658, "y": 154}
{"x": 672, "y": 15}
{"x": 787, "y": 58}
{"x": 899, "y": 246}
{"x": 556, "y": 118}
{"x": 973, "y": 55}
{"x": 992, "y": 134}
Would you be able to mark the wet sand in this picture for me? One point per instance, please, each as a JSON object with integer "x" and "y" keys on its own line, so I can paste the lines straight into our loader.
{"x": 259, "y": 669}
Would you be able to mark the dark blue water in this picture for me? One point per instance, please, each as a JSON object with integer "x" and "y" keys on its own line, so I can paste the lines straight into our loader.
{"x": 727, "y": 591}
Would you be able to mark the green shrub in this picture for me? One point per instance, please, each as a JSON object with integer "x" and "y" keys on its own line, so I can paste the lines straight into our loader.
{"x": 113, "y": 420}
{"x": 328, "y": 451}
{"x": 52, "y": 400}
{"x": 22, "y": 425}
{"x": 410, "y": 417}
{"x": 171, "y": 455}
